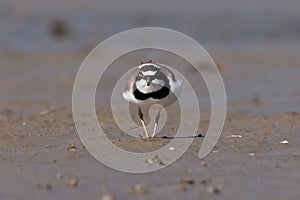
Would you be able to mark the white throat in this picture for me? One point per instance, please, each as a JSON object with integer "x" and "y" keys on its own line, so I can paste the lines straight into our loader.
{"x": 154, "y": 86}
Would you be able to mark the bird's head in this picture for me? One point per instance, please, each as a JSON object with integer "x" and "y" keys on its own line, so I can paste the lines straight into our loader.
{"x": 149, "y": 78}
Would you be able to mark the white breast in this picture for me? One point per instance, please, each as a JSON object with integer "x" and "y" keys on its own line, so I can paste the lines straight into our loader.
{"x": 155, "y": 85}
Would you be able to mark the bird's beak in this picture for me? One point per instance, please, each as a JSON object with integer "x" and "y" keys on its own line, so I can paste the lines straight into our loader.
{"x": 148, "y": 81}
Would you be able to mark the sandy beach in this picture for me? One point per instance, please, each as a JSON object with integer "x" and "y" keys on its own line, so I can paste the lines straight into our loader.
{"x": 257, "y": 155}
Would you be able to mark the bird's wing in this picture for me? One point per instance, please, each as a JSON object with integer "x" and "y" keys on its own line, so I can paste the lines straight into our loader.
{"x": 177, "y": 85}
{"x": 131, "y": 79}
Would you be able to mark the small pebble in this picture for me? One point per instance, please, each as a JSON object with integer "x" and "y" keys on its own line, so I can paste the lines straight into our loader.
{"x": 200, "y": 135}
{"x": 155, "y": 160}
{"x": 233, "y": 136}
{"x": 141, "y": 189}
{"x": 187, "y": 182}
{"x": 72, "y": 147}
{"x": 213, "y": 190}
{"x": 45, "y": 186}
{"x": 107, "y": 197}
{"x": 183, "y": 184}
{"x": 46, "y": 111}
{"x": 204, "y": 182}
{"x": 203, "y": 163}
{"x": 59, "y": 29}
{"x": 73, "y": 183}
{"x": 284, "y": 142}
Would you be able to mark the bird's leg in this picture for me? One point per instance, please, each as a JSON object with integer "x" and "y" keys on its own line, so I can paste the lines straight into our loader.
{"x": 141, "y": 116}
{"x": 156, "y": 123}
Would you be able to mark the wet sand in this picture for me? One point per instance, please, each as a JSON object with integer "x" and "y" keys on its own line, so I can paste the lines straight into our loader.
{"x": 257, "y": 155}
{"x": 41, "y": 151}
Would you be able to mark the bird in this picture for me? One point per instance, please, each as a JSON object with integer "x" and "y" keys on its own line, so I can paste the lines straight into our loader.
{"x": 148, "y": 84}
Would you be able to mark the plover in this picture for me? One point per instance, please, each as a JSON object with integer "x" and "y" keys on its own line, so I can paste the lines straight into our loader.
{"x": 151, "y": 84}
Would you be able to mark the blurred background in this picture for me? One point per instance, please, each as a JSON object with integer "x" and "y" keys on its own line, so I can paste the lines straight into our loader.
{"x": 33, "y": 25}
{"x": 42, "y": 44}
